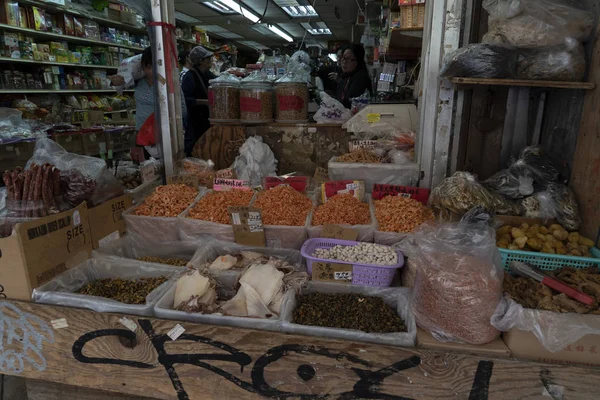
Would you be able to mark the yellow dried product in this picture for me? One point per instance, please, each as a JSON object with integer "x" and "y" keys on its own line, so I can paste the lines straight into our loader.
{"x": 342, "y": 209}
{"x": 359, "y": 156}
{"x": 283, "y": 205}
{"x": 167, "y": 201}
{"x": 213, "y": 206}
{"x": 402, "y": 215}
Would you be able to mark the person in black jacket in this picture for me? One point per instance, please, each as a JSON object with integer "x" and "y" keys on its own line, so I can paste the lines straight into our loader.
{"x": 355, "y": 77}
{"x": 195, "y": 89}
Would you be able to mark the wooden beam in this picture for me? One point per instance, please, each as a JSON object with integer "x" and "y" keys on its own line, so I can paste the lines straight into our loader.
{"x": 518, "y": 82}
{"x": 97, "y": 352}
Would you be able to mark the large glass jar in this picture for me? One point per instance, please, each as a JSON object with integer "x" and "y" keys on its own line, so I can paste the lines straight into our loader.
{"x": 224, "y": 100}
{"x": 256, "y": 102}
{"x": 291, "y": 103}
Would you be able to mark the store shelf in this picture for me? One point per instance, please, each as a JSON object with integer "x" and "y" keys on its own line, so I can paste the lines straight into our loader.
{"x": 28, "y": 91}
{"x": 104, "y": 21}
{"x": 189, "y": 41}
{"x": 518, "y": 82}
{"x": 69, "y": 39}
{"x": 408, "y": 29}
{"x": 35, "y": 62}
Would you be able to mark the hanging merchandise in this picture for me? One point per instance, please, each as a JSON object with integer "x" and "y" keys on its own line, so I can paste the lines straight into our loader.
{"x": 224, "y": 98}
{"x": 256, "y": 161}
{"x": 480, "y": 61}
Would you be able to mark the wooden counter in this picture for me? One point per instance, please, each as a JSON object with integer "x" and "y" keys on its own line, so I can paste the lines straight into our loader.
{"x": 298, "y": 147}
{"x": 96, "y": 352}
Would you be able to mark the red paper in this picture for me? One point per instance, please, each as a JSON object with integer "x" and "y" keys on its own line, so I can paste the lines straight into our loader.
{"x": 290, "y": 103}
{"x": 415, "y": 193}
{"x": 250, "y": 104}
{"x": 300, "y": 183}
{"x": 211, "y": 98}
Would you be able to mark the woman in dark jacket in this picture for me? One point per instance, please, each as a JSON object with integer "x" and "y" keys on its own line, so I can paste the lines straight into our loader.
{"x": 195, "y": 89}
{"x": 355, "y": 77}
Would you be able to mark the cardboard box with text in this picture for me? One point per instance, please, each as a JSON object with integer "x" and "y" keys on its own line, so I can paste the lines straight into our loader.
{"x": 106, "y": 220}
{"x": 39, "y": 249}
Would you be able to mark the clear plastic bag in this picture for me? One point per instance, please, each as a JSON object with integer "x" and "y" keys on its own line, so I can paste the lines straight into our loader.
{"x": 202, "y": 169}
{"x": 534, "y": 163}
{"x": 557, "y": 63}
{"x": 130, "y": 70}
{"x": 331, "y": 111}
{"x": 459, "y": 280}
{"x": 256, "y": 160}
{"x": 83, "y": 178}
{"x": 457, "y": 194}
{"x": 398, "y": 298}
{"x": 557, "y": 202}
{"x": 61, "y": 290}
{"x": 406, "y": 174}
{"x": 480, "y": 60}
{"x": 360, "y": 102}
{"x": 536, "y": 23}
{"x": 555, "y": 331}
{"x": 509, "y": 184}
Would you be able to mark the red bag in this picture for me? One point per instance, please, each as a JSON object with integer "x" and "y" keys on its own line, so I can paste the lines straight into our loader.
{"x": 145, "y": 136}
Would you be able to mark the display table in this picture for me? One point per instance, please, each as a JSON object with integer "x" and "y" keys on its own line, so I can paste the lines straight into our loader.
{"x": 97, "y": 352}
{"x": 298, "y": 147}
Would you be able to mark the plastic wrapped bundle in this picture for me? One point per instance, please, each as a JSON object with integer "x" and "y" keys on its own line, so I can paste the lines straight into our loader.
{"x": 557, "y": 63}
{"x": 256, "y": 161}
{"x": 461, "y": 192}
{"x": 556, "y": 202}
{"x": 480, "y": 61}
{"x": 533, "y": 162}
{"x": 536, "y": 23}
{"x": 510, "y": 185}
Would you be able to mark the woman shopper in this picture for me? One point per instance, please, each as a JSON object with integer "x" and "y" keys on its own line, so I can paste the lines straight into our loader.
{"x": 195, "y": 90}
{"x": 355, "y": 78}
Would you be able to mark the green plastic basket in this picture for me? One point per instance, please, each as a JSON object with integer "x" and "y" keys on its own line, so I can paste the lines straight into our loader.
{"x": 549, "y": 262}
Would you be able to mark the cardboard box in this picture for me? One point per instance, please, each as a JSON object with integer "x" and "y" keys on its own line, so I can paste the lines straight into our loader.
{"x": 92, "y": 143}
{"x": 73, "y": 143}
{"x": 41, "y": 248}
{"x": 106, "y": 221}
{"x": 129, "y": 18}
{"x": 406, "y": 17}
{"x": 585, "y": 351}
{"x": 95, "y": 117}
{"x": 496, "y": 348}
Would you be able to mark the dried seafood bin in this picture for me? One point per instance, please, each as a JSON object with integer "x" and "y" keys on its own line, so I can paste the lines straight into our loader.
{"x": 224, "y": 99}
{"x": 291, "y": 104}
{"x": 256, "y": 102}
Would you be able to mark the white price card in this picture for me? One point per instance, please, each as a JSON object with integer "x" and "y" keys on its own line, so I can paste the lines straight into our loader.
{"x": 129, "y": 324}
{"x": 343, "y": 276}
{"x": 59, "y": 323}
{"x": 176, "y": 332}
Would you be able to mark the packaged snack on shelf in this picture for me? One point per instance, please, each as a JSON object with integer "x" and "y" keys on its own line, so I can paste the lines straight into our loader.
{"x": 109, "y": 285}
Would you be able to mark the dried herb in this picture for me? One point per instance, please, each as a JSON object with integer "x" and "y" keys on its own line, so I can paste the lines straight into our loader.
{"x": 176, "y": 262}
{"x": 348, "y": 311}
{"x": 128, "y": 291}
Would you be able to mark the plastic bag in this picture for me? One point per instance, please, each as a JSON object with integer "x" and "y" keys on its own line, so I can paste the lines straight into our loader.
{"x": 131, "y": 70}
{"x": 204, "y": 170}
{"x": 331, "y": 111}
{"x": 533, "y": 162}
{"x": 556, "y": 202}
{"x": 536, "y": 23}
{"x": 558, "y": 63}
{"x": 406, "y": 174}
{"x": 399, "y": 298}
{"x": 256, "y": 160}
{"x": 360, "y": 102}
{"x": 83, "y": 178}
{"x": 459, "y": 280}
{"x": 61, "y": 290}
{"x": 457, "y": 194}
{"x": 510, "y": 185}
{"x": 145, "y": 136}
{"x": 480, "y": 60}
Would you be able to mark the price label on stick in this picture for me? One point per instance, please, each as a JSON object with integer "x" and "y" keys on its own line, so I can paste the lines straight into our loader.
{"x": 247, "y": 226}
{"x": 222, "y": 185}
{"x": 415, "y": 193}
{"x": 148, "y": 173}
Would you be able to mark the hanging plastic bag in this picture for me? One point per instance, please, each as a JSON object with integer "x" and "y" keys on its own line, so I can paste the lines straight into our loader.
{"x": 256, "y": 161}
{"x": 331, "y": 111}
{"x": 459, "y": 280}
{"x": 557, "y": 63}
{"x": 204, "y": 170}
{"x": 145, "y": 136}
{"x": 480, "y": 60}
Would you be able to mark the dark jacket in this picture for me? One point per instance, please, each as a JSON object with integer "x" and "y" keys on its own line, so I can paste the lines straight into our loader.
{"x": 353, "y": 85}
{"x": 192, "y": 89}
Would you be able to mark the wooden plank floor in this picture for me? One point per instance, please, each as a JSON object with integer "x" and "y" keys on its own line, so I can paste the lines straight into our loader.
{"x": 97, "y": 352}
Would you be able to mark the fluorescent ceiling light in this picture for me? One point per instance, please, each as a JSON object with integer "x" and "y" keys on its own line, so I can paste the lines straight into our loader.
{"x": 319, "y": 29}
{"x": 235, "y": 6}
{"x": 262, "y": 29}
{"x": 186, "y": 18}
{"x": 333, "y": 57}
{"x": 280, "y": 33}
{"x": 297, "y": 8}
{"x": 252, "y": 44}
{"x": 220, "y": 7}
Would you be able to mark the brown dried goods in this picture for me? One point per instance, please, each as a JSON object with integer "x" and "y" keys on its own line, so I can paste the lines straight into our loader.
{"x": 213, "y": 206}
{"x": 225, "y": 104}
{"x": 31, "y": 193}
{"x": 176, "y": 262}
{"x": 249, "y": 107}
{"x": 455, "y": 296}
{"x": 291, "y": 102}
{"x": 128, "y": 291}
{"x": 204, "y": 173}
{"x": 167, "y": 201}
{"x": 342, "y": 209}
{"x": 359, "y": 156}
{"x": 399, "y": 214}
{"x": 283, "y": 205}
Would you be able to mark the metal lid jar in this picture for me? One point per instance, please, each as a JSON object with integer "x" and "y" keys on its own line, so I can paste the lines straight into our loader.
{"x": 224, "y": 99}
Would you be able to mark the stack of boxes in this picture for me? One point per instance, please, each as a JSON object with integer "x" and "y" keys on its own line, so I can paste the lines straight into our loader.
{"x": 412, "y": 14}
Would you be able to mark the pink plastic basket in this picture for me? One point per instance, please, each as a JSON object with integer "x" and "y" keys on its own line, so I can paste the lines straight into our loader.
{"x": 362, "y": 274}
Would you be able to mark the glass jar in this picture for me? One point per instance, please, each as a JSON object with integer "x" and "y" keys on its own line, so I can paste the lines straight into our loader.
{"x": 291, "y": 103}
{"x": 224, "y": 101}
{"x": 256, "y": 102}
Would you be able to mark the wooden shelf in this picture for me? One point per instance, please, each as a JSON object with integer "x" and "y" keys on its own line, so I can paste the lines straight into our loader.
{"x": 408, "y": 29}
{"x": 517, "y": 82}
{"x": 69, "y": 39}
{"x": 27, "y": 91}
{"x": 27, "y": 61}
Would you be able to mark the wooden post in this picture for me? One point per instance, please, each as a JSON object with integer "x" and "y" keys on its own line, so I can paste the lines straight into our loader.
{"x": 585, "y": 176}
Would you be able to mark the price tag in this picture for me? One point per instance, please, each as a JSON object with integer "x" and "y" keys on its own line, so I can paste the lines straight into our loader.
{"x": 321, "y": 175}
{"x": 60, "y": 323}
{"x": 247, "y": 226}
{"x": 332, "y": 272}
{"x": 415, "y": 193}
{"x": 148, "y": 173}
{"x": 188, "y": 179}
{"x": 362, "y": 144}
{"x": 129, "y": 324}
{"x": 330, "y": 189}
{"x": 345, "y": 276}
{"x": 373, "y": 118}
{"x": 222, "y": 184}
{"x": 176, "y": 332}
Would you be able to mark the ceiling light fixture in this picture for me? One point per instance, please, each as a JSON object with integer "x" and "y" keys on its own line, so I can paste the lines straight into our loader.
{"x": 221, "y": 8}
{"x": 280, "y": 33}
{"x": 333, "y": 57}
{"x": 235, "y": 6}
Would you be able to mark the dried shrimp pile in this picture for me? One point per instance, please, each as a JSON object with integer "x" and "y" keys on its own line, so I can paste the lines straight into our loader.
{"x": 342, "y": 209}
{"x": 213, "y": 206}
{"x": 167, "y": 201}
{"x": 399, "y": 214}
{"x": 283, "y": 205}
